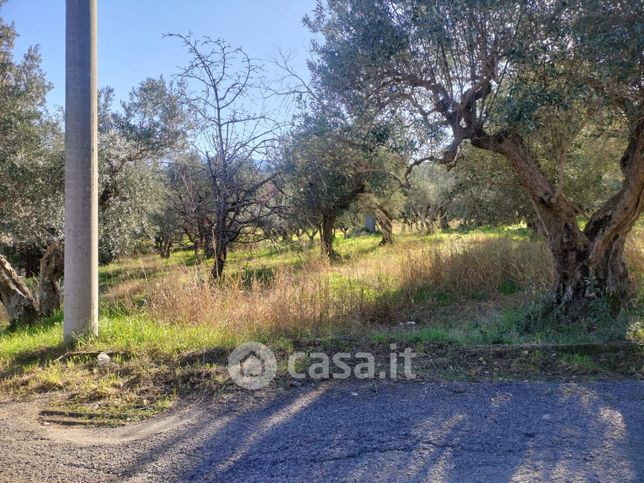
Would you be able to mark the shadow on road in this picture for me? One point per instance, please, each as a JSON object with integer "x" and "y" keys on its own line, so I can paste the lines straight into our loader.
{"x": 414, "y": 431}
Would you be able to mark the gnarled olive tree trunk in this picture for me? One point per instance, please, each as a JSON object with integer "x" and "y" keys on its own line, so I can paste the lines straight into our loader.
{"x": 386, "y": 226}
{"x": 165, "y": 246}
{"x": 17, "y": 299}
{"x": 589, "y": 262}
{"x": 326, "y": 235}
{"x": 22, "y": 305}
{"x": 51, "y": 271}
{"x": 443, "y": 220}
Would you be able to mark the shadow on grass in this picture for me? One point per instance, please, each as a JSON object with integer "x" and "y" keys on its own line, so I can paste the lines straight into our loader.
{"x": 263, "y": 275}
{"x": 361, "y": 251}
{"x": 194, "y": 260}
{"x": 114, "y": 276}
{"x": 40, "y": 356}
{"x": 30, "y": 354}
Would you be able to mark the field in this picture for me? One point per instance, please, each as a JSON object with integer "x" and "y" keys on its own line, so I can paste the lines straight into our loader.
{"x": 169, "y": 330}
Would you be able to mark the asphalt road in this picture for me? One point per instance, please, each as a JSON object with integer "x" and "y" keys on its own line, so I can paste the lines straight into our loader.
{"x": 353, "y": 432}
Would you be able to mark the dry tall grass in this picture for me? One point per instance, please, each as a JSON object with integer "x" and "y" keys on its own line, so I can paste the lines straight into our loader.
{"x": 479, "y": 265}
{"x": 319, "y": 297}
{"x": 634, "y": 253}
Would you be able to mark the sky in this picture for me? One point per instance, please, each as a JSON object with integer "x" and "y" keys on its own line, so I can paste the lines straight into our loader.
{"x": 131, "y": 46}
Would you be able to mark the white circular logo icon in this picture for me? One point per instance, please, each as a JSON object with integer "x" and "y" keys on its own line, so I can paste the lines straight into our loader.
{"x": 252, "y": 365}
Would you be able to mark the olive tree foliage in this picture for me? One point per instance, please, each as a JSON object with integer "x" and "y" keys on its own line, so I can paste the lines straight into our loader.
{"x": 363, "y": 156}
{"x": 329, "y": 162}
{"x": 427, "y": 198}
{"x": 483, "y": 189}
{"x": 324, "y": 174}
{"x": 31, "y": 183}
{"x": 133, "y": 143}
{"x": 480, "y": 190}
{"x": 234, "y": 136}
{"x": 496, "y": 74}
{"x": 30, "y": 150}
{"x": 384, "y": 195}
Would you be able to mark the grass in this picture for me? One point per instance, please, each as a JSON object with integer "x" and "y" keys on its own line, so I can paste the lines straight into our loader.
{"x": 169, "y": 330}
{"x": 579, "y": 361}
{"x": 145, "y": 356}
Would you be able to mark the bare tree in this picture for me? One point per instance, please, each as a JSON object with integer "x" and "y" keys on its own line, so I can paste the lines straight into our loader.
{"x": 188, "y": 207}
{"x": 234, "y": 138}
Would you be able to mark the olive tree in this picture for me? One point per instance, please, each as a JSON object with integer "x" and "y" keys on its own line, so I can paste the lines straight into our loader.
{"x": 494, "y": 74}
{"x": 31, "y": 172}
{"x": 150, "y": 127}
{"x": 325, "y": 175}
{"x": 131, "y": 141}
{"x": 331, "y": 161}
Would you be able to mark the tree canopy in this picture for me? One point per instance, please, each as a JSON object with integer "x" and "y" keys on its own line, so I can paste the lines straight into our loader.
{"x": 497, "y": 75}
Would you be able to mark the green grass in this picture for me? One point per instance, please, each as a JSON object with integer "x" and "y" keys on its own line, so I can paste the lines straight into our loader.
{"x": 148, "y": 358}
{"x": 156, "y": 359}
{"x": 578, "y": 361}
{"x": 128, "y": 334}
{"x": 136, "y": 332}
{"x": 30, "y": 342}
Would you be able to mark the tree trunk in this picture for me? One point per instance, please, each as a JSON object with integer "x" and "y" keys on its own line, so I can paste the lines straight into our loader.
{"x": 427, "y": 220}
{"x": 443, "y": 222}
{"x": 311, "y": 235}
{"x": 208, "y": 249}
{"x": 166, "y": 247}
{"x": 192, "y": 239}
{"x": 598, "y": 271}
{"x": 535, "y": 227}
{"x": 419, "y": 222}
{"x": 326, "y": 236}
{"x": 51, "y": 271}
{"x": 220, "y": 254}
{"x": 587, "y": 263}
{"x": 17, "y": 299}
{"x": 386, "y": 226}
{"x": 31, "y": 259}
{"x": 405, "y": 222}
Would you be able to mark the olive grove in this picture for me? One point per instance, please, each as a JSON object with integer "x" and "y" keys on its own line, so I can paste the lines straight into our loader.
{"x": 498, "y": 76}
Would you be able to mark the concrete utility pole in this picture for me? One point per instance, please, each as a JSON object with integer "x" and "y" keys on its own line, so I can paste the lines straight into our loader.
{"x": 81, "y": 171}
